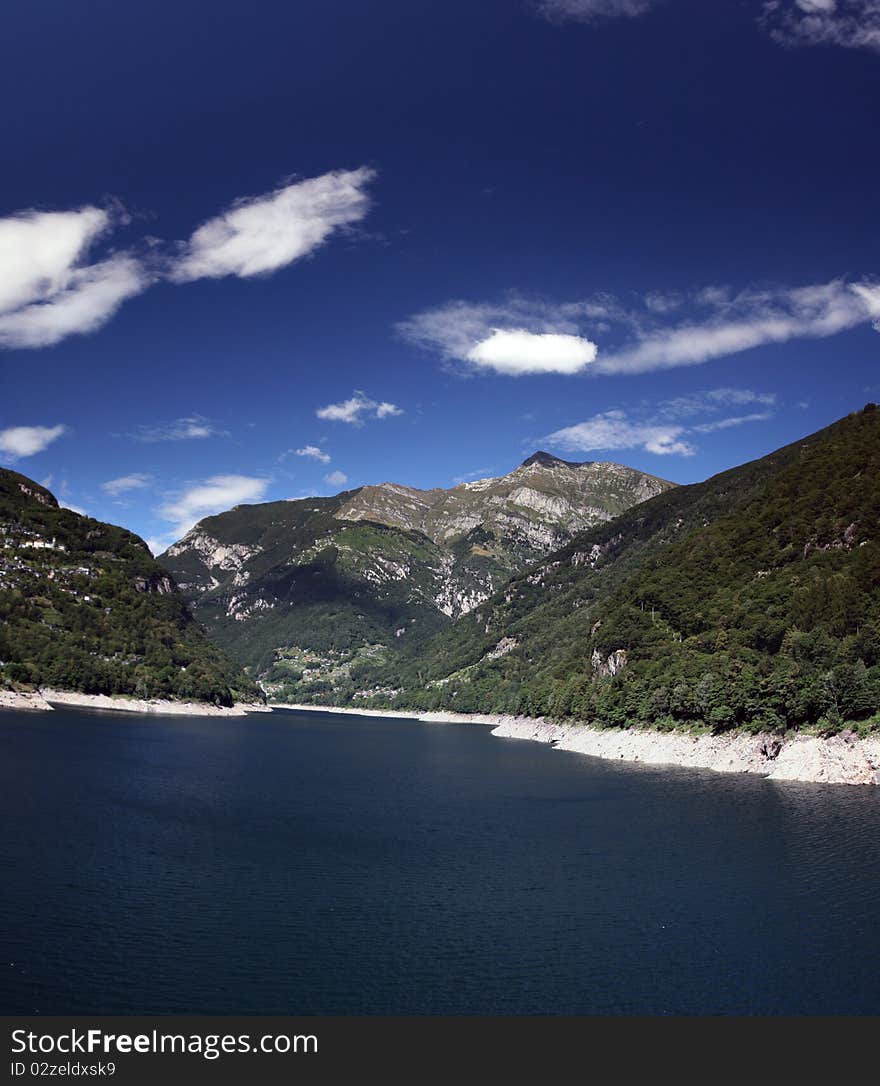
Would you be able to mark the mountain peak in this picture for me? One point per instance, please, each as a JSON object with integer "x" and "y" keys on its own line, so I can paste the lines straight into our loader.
{"x": 548, "y": 460}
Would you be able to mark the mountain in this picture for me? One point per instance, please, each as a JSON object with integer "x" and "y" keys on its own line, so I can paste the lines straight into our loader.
{"x": 750, "y": 601}
{"x": 318, "y": 586}
{"x": 85, "y": 607}
{"x": 533, "y": 510}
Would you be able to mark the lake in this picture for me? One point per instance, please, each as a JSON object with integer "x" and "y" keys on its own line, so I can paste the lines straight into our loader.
{"x": 300, "y": 863}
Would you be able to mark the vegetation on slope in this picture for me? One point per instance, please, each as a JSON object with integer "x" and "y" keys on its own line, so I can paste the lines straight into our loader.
{"x": 84, "y": 606}
{"x": 305, "y": 593}
{"x": 749, "y": 601}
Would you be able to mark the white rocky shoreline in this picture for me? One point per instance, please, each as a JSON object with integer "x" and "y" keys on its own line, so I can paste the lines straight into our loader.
{"x": 842, "y": 759}
{"x": 46, "y": 700}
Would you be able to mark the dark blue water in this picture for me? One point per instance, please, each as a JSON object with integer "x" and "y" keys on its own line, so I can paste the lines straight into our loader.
{"x": 308, "y": 864}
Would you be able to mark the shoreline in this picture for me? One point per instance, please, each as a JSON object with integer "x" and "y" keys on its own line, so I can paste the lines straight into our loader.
{"x": 46, "y": 699}
{"x": 842, "y": 759}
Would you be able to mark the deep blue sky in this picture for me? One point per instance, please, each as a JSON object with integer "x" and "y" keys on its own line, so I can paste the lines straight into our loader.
{"x": 574, "y": 177}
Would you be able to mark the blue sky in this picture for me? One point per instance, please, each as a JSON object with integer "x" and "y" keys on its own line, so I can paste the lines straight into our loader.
{"x": 260, "y": 251}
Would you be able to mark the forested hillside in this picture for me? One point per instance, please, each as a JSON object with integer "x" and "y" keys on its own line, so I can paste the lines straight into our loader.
{"x": 303, "y": 593}
{"x": 749, "y": 601}
{"x": 85, "y": 607}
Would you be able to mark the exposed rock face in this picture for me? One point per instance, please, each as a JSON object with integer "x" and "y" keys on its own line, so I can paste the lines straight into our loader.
{"x": 614, "y": 664}
{"x": 537, "y": 507}
{"x": 843, "y": 759}
{"x": 385, "y": 559}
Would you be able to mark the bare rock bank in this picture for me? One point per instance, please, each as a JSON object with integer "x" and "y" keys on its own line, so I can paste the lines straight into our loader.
{"x": 12, "y": 699}
{"x": 46, "y": 699}
{"x": 843, "y": 759}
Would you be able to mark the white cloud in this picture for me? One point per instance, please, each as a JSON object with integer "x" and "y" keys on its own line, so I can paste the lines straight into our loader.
{"x": 712, "y": 400}
{"x": 663, "y": 428}
{"x": 73, "y": 508}
{"x": 736, "y": 420}
{"x": 356, "y": 409}
{"x": 851, "y": 24}
{"x": 514, "y": 330}
{"x": 313, "y": 453}
{"x": 46, "y": 292}
{"x": 190, "y": 428}
{"x": 214, "y": 495}
{"x": 586, "y": 11}
{"x": 336, "y": 478}
{"x": 259, "y": 235}
{"x": 515, "y": 352}
{"x": 657, "y": 332}
{"x": 20, "y": 441}
{"x": 750, "y": 319}
{"x": 613, "y": 430}
{"x": 117, "y": 487}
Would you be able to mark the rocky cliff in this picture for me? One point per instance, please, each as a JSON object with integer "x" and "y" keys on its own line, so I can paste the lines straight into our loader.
{"x": 304, "y": 591}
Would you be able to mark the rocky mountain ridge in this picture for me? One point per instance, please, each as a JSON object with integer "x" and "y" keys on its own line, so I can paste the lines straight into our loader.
{"x": 320, "y": 581}
{"x": 750, "y": 601}
{"x": 536, "y": 507}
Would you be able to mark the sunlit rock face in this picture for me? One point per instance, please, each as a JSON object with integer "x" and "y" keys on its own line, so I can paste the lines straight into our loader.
{"x": 537, "y": 506}
{"x": 384, "y": 564}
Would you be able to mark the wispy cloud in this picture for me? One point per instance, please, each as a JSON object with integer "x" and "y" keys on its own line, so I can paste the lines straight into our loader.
{"x": 659, "y": 331}
{"x": 336, "y": 478}
{"x": 20, "y": 441}
{"x": 588, "y": 11}
{"x": 73, "y": 508}
{"x": 355, "y": 410}
{"x": 712, "y": 400}
{"x": 192, "y": 427}
{"x": 312, "y": 452}
{"x": 615, "y": 430}
{"x": 259, "y": 235}
{"x": 125, "y": 483}
{"x": 736, "y": 420}
{"x": 661, "y": 429}
{"x": 752, "y": 318}
{"x": 852, "y": 24}
{"x": 469, "y": 476}
{"x": 47, "y": 291}
{"x": 214, "y": 495}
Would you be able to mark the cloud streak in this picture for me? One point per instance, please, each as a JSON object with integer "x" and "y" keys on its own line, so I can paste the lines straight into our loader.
{"x": 47, "y": 290}
{"x": 659, "y": 332}
{"x": 588, "y": 11}
{"x": 125, "y": 483}
{"x": 21, "y": 441}
{"x": 662, "y": 431}
{"x": 260, "y": 235}
{"x": 189, "y": 428}
{"x": 214, "y": 495}
{"x": 850, "y": 24}
{"x": 357, "y": 409}
{"x": 751, "y": 319}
